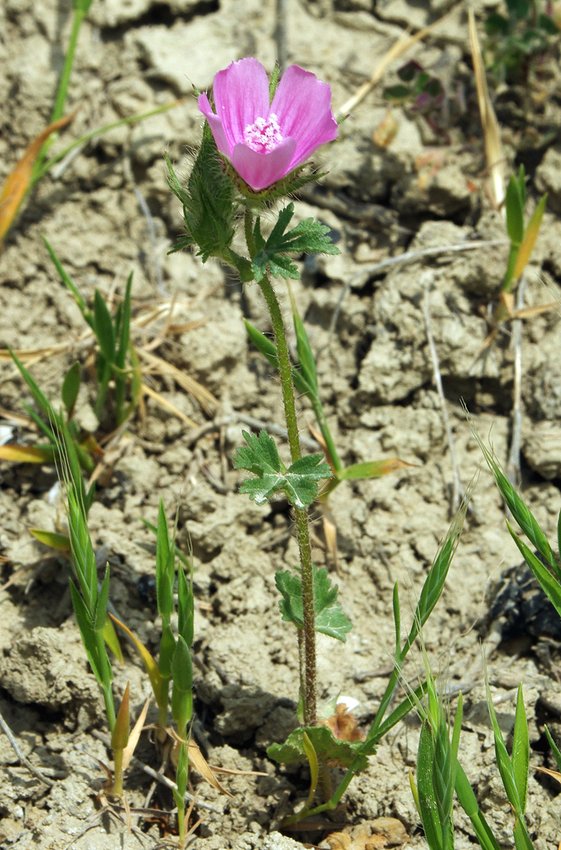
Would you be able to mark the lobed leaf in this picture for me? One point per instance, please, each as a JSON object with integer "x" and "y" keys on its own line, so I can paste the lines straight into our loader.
{"x": 329, "y": 749}
{"x": 309, "y": 236}
{"x": 299, "y": 482}
{"x": 330, "y": 619}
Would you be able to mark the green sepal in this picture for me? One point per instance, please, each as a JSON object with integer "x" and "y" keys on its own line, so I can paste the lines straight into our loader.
{"x": 330, "y": 619}
{"x": 208, "y": 201}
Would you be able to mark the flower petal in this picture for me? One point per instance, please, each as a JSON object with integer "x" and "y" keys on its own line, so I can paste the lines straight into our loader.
{"x": 303, "y": 106}
{"x": 215, "y": 124}
{"x": 260, "y": 170}
{"x": 241, "y": 94}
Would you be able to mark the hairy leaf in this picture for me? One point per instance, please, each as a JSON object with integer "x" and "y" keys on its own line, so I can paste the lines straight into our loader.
{"x": 273, "y": 253}
{"x": 328, "y": 748}
{"x": 299, "y": 482}
{"x": 330, "y": 619}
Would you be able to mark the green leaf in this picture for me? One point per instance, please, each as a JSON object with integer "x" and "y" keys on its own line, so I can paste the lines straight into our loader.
{"x": 69, "y": 283}
{"x": 40, "y": 399}
{"x": 330, "y": 619}
{"x": 185, "y": 607}
{"x": 182, "y": 690}
{"x": 71, "y": 388}
{"x": 550, "y": 585}
{"x": 298, "y": 482}
{"x": 428, "y": 804}
{"x": 103, "y": 328}
{"x": 514, "y": 206}
{"x": 522, "y": 840}
{"x": 469, "y": 804}
{"x": 100, "y": 611}
{"x": 436, "y": 577}
{"x": 521, "y": 513}
{"x": 554, "y": 748}
{"x": 370, "y": 469}
{"x": 52, "y": 539}
{"x": 503, "y": 759}
{"x": 272, "y": 257}
{"x": 520, "y": 749}
{"x": 397, "y": 92}
{"x": 165, "y": 567}
{"x": 306, "y": 357}
{"x": 269, "y": 350}
{"x": 396, "y": 617}
{"x": 328, "y": 748}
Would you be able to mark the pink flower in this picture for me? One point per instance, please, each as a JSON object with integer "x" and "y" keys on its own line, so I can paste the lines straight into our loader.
{"x": 265, "y": 141}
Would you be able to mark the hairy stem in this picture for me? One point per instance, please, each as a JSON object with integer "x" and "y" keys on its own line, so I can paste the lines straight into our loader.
{"x": 301, "y": 515}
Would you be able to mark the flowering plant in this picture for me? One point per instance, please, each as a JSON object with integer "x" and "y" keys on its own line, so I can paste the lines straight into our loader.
{"x": 255, "y": 142}
{"x": 263, "y": 140}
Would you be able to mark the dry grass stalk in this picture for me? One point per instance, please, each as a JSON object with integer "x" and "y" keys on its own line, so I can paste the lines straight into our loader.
{"x": 494, "y": 155}
{"x": 401, "y": 46}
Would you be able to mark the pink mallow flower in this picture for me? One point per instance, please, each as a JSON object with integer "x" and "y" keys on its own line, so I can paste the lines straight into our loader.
{"x": 265, "y": 141}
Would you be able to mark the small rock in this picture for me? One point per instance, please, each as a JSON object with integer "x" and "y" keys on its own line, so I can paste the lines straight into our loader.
{"x": 548, "y": 178}
{"x": 542, "y": 449}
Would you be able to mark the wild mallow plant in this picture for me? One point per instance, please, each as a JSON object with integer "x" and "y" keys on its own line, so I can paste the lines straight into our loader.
{"x": 256, "y": 142}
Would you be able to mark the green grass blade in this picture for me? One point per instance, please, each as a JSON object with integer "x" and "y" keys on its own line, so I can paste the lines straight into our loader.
{"x": 520, "y": 749}
{"x": 267, "y": 348}
{"x": 100, "y": 611}
{"x": 550, "y": 585}
{"x": 436, "y": 577}
{"x": 504, "y": 762}
{"x": 381, "y": 727}
{"x": 165, "y": 568}
{"x": 71, "y": 388}
{"x": 69, "y": 283}
{"x": 396, "y": 619}
{"x": 469, "y": 804}
{"x": 428, "y": 805}
{"x": 39, "y": 397}
{"x": 521, "y": 513}
{"x": 522, "y": 840}
{"x": 554, "y": 748}
{"x": 103, "y": 328}
{"x": 185, "y": 607}
{"x": 305, "y": 354}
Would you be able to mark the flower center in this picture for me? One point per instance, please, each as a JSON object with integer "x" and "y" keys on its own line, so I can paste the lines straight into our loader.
{"x": 264, "y": 135}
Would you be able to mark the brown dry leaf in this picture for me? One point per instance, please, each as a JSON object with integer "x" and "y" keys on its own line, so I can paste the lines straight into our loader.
{"x": 134, "y": 736}
{"x": 553, "y": 773}
{"x": 494, "y": 155}
{"x": 18, "y": 181}
{"x": 157, "y": 365}
{"x": 200, "y": 764}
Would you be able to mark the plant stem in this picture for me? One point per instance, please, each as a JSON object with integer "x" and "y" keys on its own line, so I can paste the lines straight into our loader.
{"x": 301, "y": 515}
